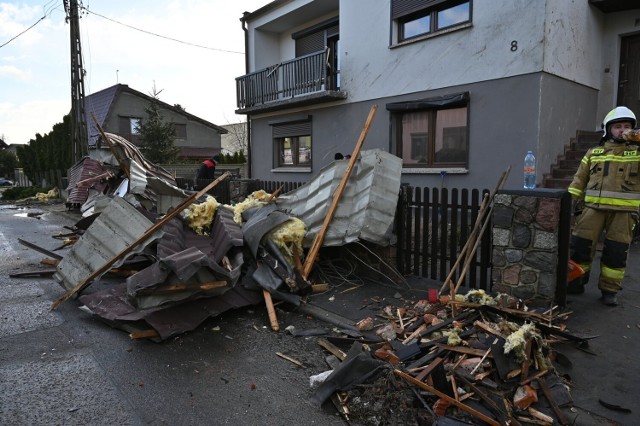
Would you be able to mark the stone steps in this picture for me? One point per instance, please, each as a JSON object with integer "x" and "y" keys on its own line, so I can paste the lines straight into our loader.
{"x": 566, "y": 165}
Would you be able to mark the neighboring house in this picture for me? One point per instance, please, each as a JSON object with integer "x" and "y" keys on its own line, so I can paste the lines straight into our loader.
{"x": 236, "y": 138}
{"x": 463, "y": 88}
{"x": 3, "y": 144}
{"x": 119, "y": 109}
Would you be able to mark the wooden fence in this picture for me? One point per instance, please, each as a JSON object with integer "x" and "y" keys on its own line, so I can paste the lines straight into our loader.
{"x": 432, "y": 226}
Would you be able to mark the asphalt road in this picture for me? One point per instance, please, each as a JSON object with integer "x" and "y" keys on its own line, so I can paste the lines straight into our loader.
{"x": 65, "y": 367}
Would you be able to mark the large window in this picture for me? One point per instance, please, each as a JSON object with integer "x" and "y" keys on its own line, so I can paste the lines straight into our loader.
{"x": 415, "y": 18}
{"x": 292, "y": 144}
{"x": 432, "y": 133}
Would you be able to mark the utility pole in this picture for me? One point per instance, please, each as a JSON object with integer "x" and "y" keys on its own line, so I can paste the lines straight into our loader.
{"x": 79, "y": 139}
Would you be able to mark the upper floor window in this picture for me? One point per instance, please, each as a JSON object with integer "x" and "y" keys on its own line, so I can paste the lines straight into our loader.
{"x": 134, "y": 125}
{"x": 129, "y": 127}
{"x": 432, "y": 133}
{"x": 180, "y": 130}
{"x": 415, "y": 18}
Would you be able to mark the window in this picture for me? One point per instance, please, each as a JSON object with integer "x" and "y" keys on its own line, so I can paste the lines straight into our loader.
{"x": 129, "y": 127}
{"x": 134, "y": 124}
{"x": 432, "y": 133}
{"x": 180, "y": 130}
{"x": 415, "y": 18}
{"x": 289, "y": 146}
{"x": 292, "y": 144}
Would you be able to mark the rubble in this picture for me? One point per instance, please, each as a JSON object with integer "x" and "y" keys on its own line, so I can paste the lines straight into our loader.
{"x": 489, "y": 364}
{"x": 470, "y": 358}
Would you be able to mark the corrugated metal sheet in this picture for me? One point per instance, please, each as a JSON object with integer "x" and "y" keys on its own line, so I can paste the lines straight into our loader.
{"x": 86, "y": 174}
{"x": 117, "y": 227}
{"x": 190, "y": 259}
{"x": 167, "y": 195}
{"x": 186, "y": 258}
{"x": 367, "y": 208}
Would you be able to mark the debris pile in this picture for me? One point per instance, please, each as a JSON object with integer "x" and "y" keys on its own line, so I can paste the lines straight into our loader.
{"x": 473, "y": 360}
{"x": 184, "y": 257}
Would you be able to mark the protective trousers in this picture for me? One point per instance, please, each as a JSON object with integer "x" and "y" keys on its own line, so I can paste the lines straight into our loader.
{"x": 618, "y": 227}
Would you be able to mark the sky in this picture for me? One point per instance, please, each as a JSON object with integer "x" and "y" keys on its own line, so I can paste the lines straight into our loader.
{"x": 35, "y": 64}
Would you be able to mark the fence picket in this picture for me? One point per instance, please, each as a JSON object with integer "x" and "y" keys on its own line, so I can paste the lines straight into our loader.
{"x": 433, "y": 225}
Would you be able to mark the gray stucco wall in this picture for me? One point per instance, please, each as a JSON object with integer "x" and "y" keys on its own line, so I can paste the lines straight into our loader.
{"x": 507, "y": 117}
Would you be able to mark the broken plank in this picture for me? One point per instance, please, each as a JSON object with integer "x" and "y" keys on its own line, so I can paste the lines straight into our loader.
{"x": 425, "y": 372}
{"x": 39, "y": 249}
{"x": 271, "y": 310}
{"x": 172, "y": 288}
{"x": 547, "y": 393}
{"x": 447, "y": 398}
{"x": 501, "y": 414}
{"x": 463, "y": 350}
{"x": 143, "y": 334}
{"x": 288, "y": 358}
{"x": 46, "y": 273}
{"x": 332, "y": 348}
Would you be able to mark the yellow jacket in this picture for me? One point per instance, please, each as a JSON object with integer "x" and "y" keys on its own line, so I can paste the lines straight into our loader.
{"x": 607, "y": 178}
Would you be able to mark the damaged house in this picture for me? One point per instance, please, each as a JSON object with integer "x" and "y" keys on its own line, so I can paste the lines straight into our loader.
{"x": 119, "y": 110}
{"x": 447, "y": 76}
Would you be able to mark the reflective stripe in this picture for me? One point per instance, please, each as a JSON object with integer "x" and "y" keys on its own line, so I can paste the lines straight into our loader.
{"x": 612, "y": 201}
{"x": 611, "y": 273}
{"x": 575, "y": 191}
{"x": 614, "y": 158}
{"x": 613, "y": 194}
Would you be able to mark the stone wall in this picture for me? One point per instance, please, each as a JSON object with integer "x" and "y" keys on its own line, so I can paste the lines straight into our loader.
{"x": 531, "y": 243}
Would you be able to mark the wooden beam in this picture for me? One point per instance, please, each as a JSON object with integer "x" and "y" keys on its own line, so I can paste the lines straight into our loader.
{"x": 166, "y": 218}
{"x": 317, "y": 242}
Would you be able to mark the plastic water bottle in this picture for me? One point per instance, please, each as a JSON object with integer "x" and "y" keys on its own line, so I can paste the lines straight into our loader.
{"x": 529, "y": 171}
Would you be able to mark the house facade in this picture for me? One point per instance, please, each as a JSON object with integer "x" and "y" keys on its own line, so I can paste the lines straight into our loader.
{"x": 119, "y": 109}
{"x": 464, "y": 88}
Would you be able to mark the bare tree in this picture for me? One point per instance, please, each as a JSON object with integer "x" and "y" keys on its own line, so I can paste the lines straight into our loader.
{"x": 237, "y": 138}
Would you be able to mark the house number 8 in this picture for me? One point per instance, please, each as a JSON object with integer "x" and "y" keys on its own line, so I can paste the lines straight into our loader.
{"x": 514, "y": 45}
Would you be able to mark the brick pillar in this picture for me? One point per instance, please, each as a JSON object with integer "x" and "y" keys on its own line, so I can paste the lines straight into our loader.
{"x": 531, "y": 243}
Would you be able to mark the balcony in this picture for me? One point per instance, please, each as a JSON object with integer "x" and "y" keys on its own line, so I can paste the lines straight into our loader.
{"x": 302, "y": 81}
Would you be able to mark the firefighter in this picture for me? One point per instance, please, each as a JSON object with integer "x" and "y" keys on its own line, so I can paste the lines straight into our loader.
{"x": 606, "y": 194}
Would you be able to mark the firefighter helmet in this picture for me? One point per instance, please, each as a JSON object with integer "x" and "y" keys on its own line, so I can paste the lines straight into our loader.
{"x": 618, "y": 114}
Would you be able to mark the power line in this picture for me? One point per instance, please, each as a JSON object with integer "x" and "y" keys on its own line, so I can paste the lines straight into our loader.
{"x": 46, "y": 13}
{"x": 15, "y": 37}
{"x": 159, "y": 35}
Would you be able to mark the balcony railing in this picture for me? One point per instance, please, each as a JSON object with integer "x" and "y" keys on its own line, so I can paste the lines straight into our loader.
{"x": 301, "y": 76}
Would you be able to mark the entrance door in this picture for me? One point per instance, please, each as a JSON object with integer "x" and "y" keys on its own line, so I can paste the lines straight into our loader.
{"x": 629, "y": 80}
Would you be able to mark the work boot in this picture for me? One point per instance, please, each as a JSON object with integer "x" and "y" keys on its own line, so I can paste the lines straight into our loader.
{"x": 609, "y": 298}
{"x": 576, "y": 286}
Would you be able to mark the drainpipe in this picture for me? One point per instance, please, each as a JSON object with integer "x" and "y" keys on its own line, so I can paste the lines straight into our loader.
{"x": 243, "y": 20}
